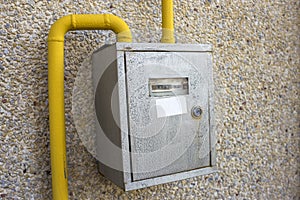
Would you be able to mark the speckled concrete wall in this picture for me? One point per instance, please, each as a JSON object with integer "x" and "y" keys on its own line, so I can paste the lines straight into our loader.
{"x": 256, "y": 72}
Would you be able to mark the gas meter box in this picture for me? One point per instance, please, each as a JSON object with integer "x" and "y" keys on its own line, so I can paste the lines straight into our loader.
{"x": 154, "y": 112}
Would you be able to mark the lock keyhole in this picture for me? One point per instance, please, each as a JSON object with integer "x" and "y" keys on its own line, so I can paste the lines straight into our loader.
{"x": 196, "y": 112}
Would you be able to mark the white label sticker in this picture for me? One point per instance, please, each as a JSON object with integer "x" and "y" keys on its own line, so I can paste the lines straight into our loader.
{"x": 171, "y": 106}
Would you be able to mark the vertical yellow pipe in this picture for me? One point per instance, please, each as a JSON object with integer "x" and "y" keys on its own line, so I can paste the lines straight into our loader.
{"x": 167, "y": 22}
{"x": 57, "y": 120}
{"x": 56, "y": 86}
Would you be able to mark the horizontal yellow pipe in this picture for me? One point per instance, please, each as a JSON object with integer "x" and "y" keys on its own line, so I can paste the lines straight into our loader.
{"x": 56, "y": 86}
{"x": 89, "y": 22}
{"x": 167, "y": 22}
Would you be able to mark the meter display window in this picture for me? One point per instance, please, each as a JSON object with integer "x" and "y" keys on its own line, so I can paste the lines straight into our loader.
{"x": 160, "y": 87}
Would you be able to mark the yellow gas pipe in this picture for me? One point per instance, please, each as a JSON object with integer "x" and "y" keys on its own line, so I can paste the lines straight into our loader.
{"x": 56, "y": 78}
{"x": 56, "y": 86}
{"x": 167, "y": 22}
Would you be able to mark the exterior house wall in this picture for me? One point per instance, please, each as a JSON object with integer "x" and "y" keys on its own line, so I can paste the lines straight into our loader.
{"x": 256, "y": 77}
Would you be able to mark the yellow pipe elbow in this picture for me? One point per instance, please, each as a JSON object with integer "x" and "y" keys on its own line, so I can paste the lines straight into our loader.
{"x": 56, "y": 86}
{"x": 90, "y": 22}
{"x": 167, "y": 22}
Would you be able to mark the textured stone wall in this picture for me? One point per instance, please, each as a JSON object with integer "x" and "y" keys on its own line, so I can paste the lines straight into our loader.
{"x": 256, "y": 73}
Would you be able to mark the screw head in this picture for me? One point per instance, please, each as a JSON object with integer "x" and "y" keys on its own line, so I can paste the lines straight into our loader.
{"x": 196, "y": 112}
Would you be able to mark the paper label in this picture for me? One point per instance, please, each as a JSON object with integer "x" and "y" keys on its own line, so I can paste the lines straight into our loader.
{"x": 171, "y": 106}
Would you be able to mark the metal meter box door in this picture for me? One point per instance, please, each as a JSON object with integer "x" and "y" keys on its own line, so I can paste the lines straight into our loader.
{"x": 154, "y": 111}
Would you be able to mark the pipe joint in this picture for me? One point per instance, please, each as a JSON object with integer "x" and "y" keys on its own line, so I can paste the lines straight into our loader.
{"x": 167, "y": 36}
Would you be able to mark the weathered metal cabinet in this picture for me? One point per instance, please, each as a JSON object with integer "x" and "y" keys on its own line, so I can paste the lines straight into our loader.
{"x": 154, "y": 111}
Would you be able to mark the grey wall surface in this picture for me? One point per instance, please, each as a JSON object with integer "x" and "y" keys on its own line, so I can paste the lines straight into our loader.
{"x": 256, "y": 76}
